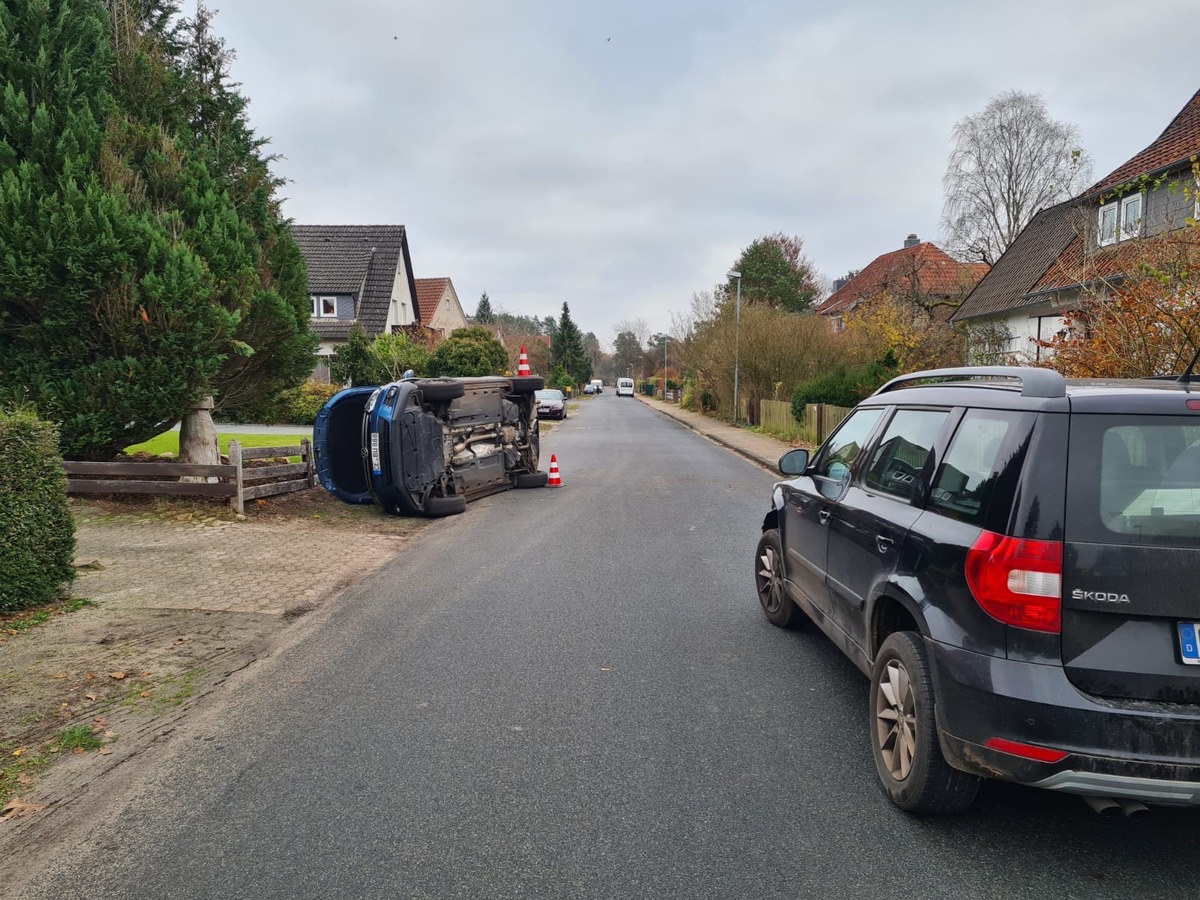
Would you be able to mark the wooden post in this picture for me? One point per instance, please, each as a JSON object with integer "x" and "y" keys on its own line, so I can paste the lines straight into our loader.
{"x": 308, "y": 457}
{"x": 235, "y": 459}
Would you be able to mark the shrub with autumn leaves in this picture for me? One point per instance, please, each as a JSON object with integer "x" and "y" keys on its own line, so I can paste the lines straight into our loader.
{"x": 1144, "y": 321}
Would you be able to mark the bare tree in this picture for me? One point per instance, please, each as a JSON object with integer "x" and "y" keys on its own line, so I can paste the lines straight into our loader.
{"x": 637, "y": 327}
{"x": 1009, "y": 161}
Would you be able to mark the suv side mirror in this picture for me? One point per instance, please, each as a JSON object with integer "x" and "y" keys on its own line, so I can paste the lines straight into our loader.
{"x": 794, "y": 462}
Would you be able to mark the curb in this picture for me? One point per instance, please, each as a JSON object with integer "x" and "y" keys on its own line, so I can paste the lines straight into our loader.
{"x": 715, "y": 438}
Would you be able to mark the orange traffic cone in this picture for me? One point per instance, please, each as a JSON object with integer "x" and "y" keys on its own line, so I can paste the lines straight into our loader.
{"x": 555, "y": 480}
{"x": 523, "y": 365}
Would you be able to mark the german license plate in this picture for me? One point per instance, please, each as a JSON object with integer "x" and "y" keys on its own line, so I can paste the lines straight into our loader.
{"x": 375, "y": 465}
{"x": 1189, "y": 643}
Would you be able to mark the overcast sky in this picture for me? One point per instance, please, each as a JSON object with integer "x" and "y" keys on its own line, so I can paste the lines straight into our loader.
{"x": 618, "y": 155}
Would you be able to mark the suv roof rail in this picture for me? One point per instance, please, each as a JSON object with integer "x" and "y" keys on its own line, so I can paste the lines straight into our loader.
{"x": 1034, "y": 382}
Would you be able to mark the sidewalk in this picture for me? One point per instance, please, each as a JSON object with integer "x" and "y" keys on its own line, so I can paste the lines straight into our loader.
{"x": 757, "y": 448}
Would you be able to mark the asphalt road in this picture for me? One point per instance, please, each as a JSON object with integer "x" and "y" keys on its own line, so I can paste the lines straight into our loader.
{"x": 572, "y": 693}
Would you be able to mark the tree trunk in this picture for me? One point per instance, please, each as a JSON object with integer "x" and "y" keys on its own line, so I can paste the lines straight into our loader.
{"x": 198, "y": 437}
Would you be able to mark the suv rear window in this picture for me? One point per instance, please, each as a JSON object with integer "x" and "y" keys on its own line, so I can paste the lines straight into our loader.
{"x": 967, "y": 476}
{"x": 1134, "y": 480}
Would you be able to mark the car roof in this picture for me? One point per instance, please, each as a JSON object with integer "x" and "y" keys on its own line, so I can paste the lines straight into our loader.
{"x": 1027, "y": 387}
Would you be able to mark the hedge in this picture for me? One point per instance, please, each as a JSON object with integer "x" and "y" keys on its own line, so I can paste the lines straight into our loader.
{"x": 37, "y": 532}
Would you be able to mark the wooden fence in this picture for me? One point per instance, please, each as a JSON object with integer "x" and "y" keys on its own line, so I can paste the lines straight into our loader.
{"x": 819, "y": 419}
{"x": 233, "y": 479}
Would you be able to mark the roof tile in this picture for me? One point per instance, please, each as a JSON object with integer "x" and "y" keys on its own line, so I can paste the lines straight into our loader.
{"x": 354, "y": 259}
{"x": 936, "y": 272}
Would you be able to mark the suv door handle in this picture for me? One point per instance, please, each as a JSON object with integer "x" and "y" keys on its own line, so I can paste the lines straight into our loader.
{"x": 823, "y": 516}
{"x": 883, "y": 544}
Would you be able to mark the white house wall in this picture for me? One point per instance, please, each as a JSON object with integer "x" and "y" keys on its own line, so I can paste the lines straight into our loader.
{"x": 400, "y": 310}
{"x": 449, "y": 314}
{"x": 1027, "y": 328}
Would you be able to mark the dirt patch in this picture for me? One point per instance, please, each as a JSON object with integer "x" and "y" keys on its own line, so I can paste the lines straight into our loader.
{"x": 172, "y": 597}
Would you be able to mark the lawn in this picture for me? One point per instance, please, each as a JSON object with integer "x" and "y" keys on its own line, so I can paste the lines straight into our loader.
{"x": 168, "y": 442}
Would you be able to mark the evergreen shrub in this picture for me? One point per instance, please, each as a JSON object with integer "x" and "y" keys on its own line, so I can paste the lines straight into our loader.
{"x": 37, "y": 532}
{"x": 301, "y": 405}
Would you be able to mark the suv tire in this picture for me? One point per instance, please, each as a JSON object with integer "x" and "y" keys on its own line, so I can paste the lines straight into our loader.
{"x": 777, "y": 606}
{"x": 439, "y": 507}
{"x": 441, "y": 390}
{"x": 904, "y": 741}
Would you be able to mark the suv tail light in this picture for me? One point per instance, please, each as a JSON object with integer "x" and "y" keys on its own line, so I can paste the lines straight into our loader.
{"x": 1017, "y": 581}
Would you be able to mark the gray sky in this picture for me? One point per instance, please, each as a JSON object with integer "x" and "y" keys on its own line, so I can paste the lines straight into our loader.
{"x": 618, "y": 155}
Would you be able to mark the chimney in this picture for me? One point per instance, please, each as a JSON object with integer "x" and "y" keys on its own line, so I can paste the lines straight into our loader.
{"x": 911, "y": 241}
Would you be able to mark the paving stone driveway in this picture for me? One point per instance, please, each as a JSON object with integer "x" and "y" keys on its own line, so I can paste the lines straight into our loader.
{"x": 222, "y": 566}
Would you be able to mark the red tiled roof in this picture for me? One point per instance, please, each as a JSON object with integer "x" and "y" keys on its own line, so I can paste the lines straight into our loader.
{"x": 429, "y": 295}
{"x": 1178, "y": 143}
{"x": 1070, "y": 266}
{"x": 922, "y": 266}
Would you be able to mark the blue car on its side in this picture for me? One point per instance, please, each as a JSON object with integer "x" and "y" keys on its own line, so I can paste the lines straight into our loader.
{"x": 424, "y": 447}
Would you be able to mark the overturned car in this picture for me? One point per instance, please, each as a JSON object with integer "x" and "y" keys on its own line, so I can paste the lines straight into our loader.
{"x": 424, "y": 447}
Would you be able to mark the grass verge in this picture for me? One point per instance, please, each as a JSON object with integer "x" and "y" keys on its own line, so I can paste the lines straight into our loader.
{"x": 168, "y": 442}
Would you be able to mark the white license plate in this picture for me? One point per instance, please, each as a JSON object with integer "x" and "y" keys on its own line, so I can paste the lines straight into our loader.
{"x": 1189, "y": 643}
{"x": 375, "y": 464}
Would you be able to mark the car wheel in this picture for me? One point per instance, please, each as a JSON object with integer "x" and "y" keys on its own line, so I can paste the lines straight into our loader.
{"x": 530, "y": 480}
{"x": 904, "y": 741}
{"x": 439, "y": 507}
{"x": 441, "y": 390}
{"x": 527, "y": 384}
{"x": 777, "y": 606}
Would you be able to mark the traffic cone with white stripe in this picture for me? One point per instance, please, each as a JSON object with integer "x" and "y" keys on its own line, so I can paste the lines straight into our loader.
{"x": 555, "y": 480}
{"x": 523, "y": 365}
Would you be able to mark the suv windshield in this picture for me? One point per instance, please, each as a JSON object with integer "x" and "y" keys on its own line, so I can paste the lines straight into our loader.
{"x": 1134, "y": 480}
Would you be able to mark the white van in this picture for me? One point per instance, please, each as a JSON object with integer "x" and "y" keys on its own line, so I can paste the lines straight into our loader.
{"x": 624, "y": 387}
{"x": 597, "y": 386}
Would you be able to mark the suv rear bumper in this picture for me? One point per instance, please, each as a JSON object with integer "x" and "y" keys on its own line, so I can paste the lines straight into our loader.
{"x": 1127, "y": 749}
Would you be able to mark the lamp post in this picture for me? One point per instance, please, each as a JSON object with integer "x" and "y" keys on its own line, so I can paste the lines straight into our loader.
{"x": 665, "y": 340}
{"x": 737, "y": 328}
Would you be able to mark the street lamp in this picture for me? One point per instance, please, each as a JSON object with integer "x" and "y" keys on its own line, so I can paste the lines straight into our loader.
{"x": 737, "y": 328}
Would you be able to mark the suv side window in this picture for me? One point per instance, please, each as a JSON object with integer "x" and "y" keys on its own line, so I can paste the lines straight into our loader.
{"x": 896, "y": 465}
{"x": 844, "y": 447}
{"x": 965, "y": 479}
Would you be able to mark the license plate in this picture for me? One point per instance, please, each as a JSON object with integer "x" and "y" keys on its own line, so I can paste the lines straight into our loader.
{"x": 1189, "y": 643}
{"x": 376, "y": 467}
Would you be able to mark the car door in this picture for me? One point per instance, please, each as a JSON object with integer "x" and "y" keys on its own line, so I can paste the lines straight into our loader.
{"x": 808, "y": 503}
{"x": 867, "y": 528}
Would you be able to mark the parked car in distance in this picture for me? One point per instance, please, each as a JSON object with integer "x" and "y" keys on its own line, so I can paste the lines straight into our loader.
{"x": 424, "y": 447}
{"x": 551, "y": 404}
{"x": 589, "y": 389}
{"x": 624, "y": 387}
{"x": 597, "y": 386}
{"x": 1012, "y": 559}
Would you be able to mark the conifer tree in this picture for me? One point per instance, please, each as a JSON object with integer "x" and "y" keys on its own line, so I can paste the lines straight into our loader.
{"x": 483, "y": 312}
{"x": 145, "y": 262}
{"x": 567, "y": 350}
{"x": 106, "y": 318}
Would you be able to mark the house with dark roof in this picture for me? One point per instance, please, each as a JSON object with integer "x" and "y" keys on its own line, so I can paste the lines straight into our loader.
{"x": 1082, "y": 245}
{"x": 357, "y": 274}
{"x": 441, "y": 311}
{"x": 918, "y": 271}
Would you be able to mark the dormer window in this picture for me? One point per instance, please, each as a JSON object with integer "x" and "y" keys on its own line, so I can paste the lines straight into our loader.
{"x": 324, "y": 307}
{"x": 1121, "y": 219}
{"x": 1131, "y": 216}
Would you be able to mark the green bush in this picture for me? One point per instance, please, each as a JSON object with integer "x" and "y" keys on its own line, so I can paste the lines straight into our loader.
{"x": 37, "y": 533}
{"x": 469, "y": 352}
{"x": 842, "y": 386}
{"x": 301, "y": 405}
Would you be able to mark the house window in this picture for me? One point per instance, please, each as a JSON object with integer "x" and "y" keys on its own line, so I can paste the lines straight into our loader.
{"x": 1131, "y": 216}
{"x": 1121, "y": 219}
{"x": 1108, "y": 224}
{"x": 324, "y": 307}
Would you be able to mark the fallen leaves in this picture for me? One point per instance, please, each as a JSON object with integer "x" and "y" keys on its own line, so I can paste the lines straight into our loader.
{"x": 116, "y": 676}
{"x": 16, "y": 808}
